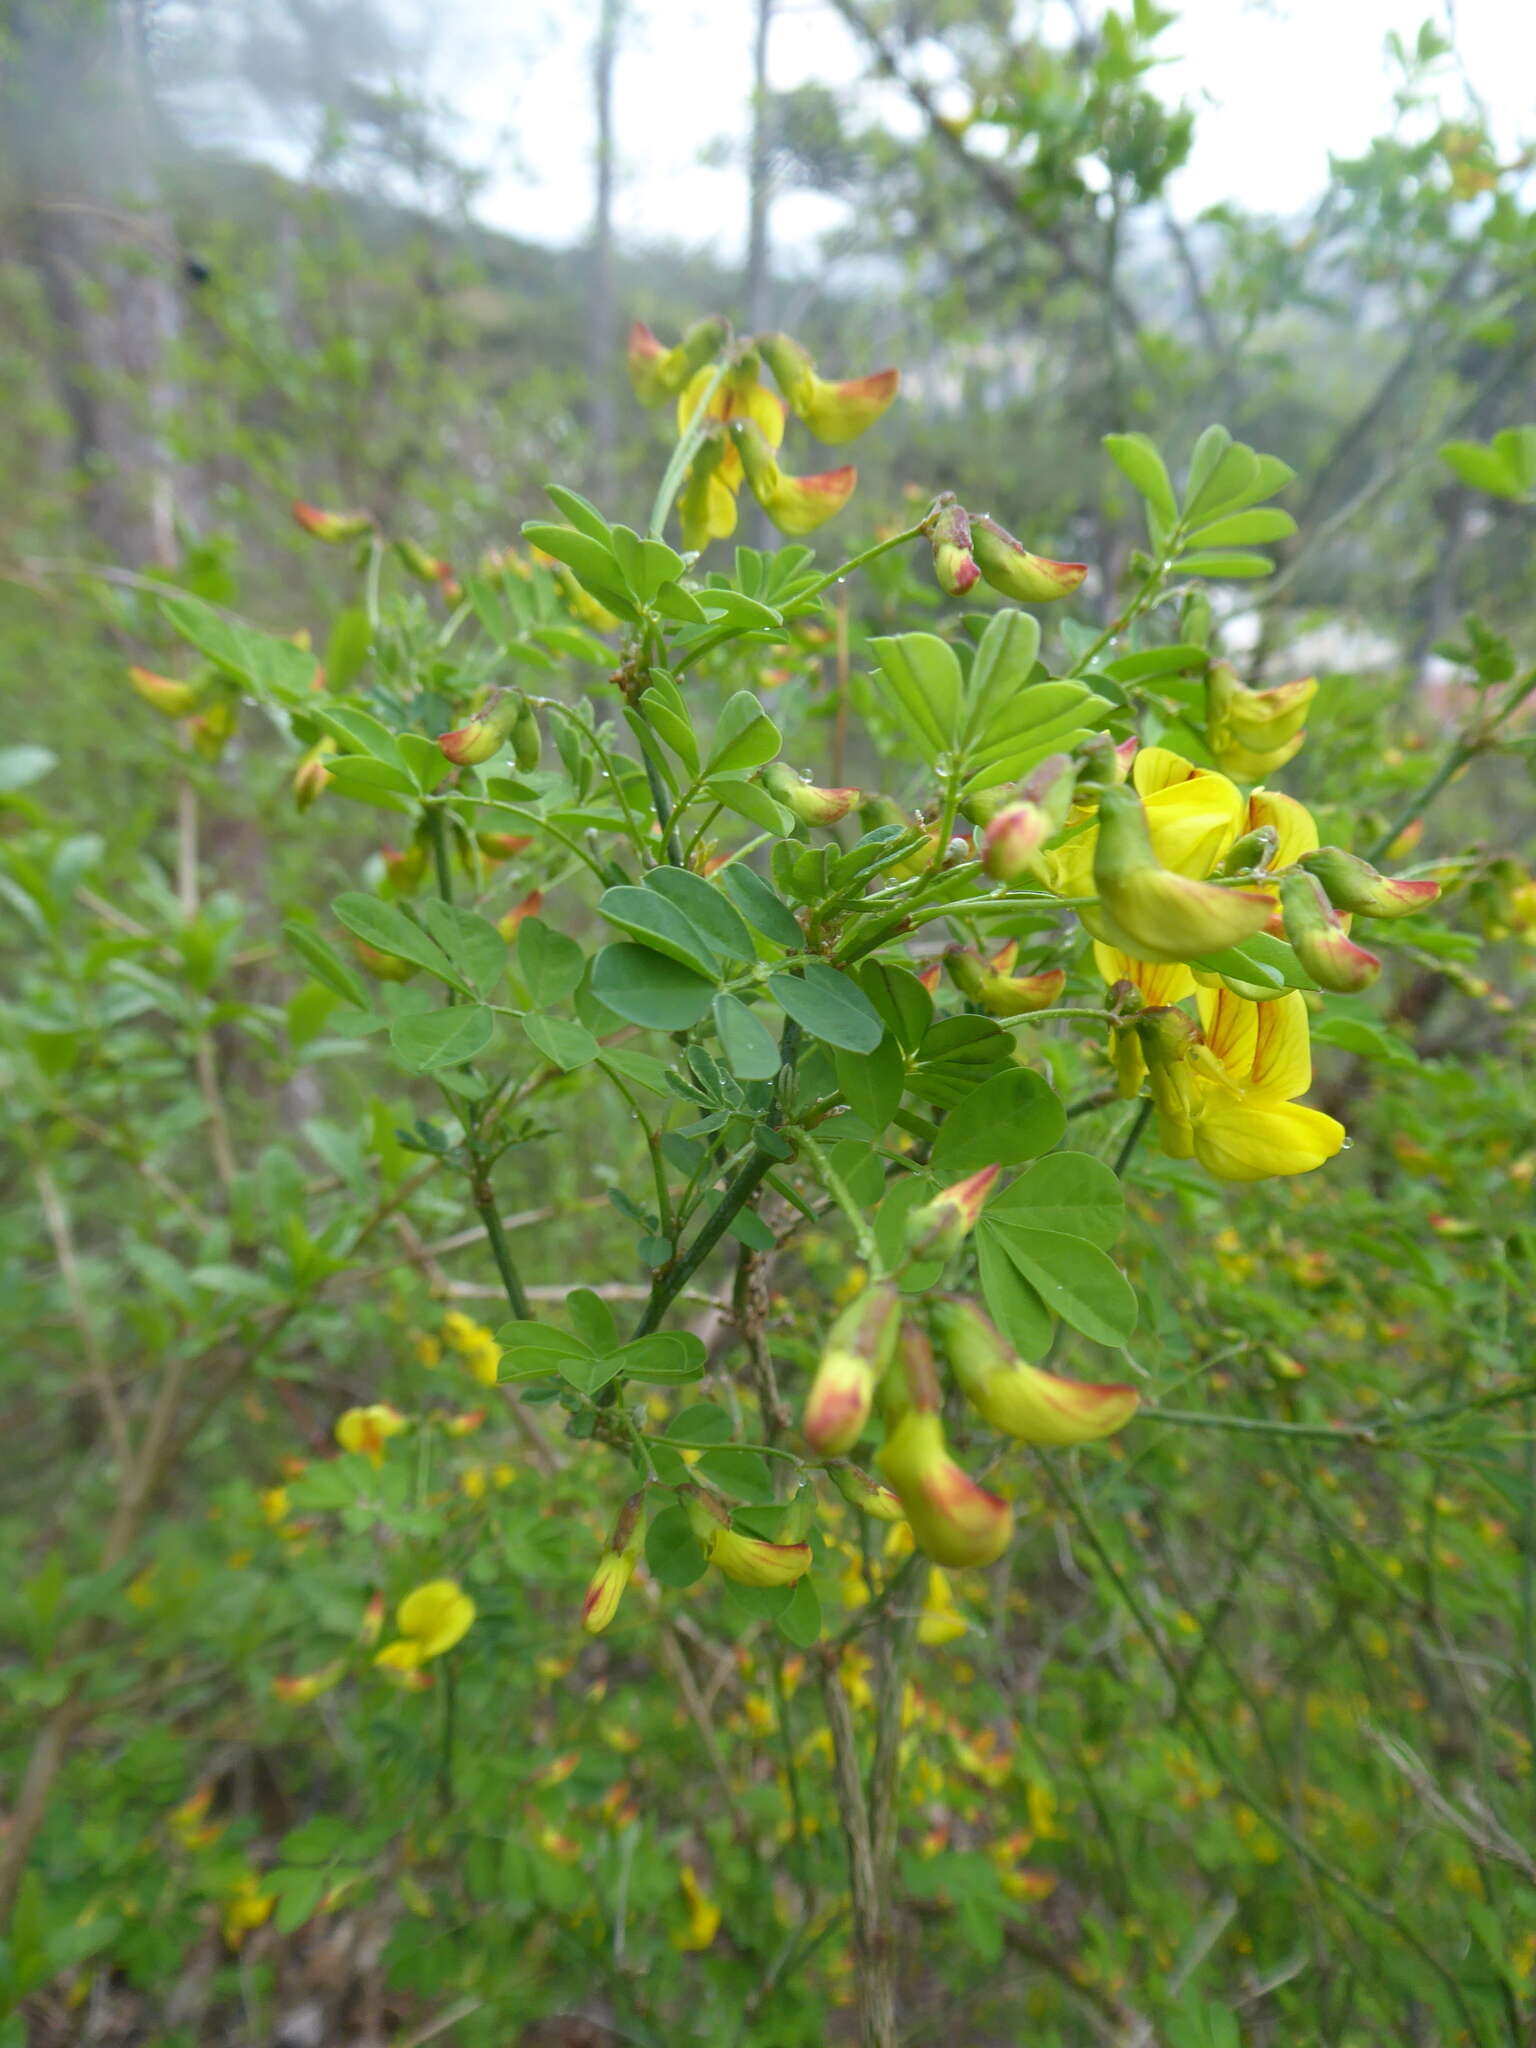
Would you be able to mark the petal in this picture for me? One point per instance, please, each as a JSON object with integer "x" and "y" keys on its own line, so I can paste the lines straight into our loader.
{"x": 1282, "y": 1057}
{"x": 1192, "y": 823}
{"x": 1159, "y": 981}
{"x": 1230, "y": 1024}
{"x": 1251, "y": 1140}
{"x": 1293, "y": 821}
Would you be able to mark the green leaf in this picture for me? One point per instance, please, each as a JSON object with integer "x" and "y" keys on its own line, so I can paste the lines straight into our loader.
{"x": 1260, "y": 960}
{"x": 275, "y": 670}
{"x": 1138, "y": 461}
{"x": 1207, "y": 456}
{"x": 872, "y": 1083}
{"x": 924, "y": 673}
{"x": 592, "y": 1319}
{"x": 956, "y": 1054}
{"x": 751, "y": 801}
{"x": 1009, "y": 1118}
{"x": 347, "y": 648}
{"x": 1000, "y": 667}
{"x": 902, "y": 1001}
{"x": 674, "y": 602}
{"x": 713, "y": 916}
{"x": 1011, "y": 1302}
{"x": 745, "y": 737}
{"x": 1246, "y": 529}
{"x": 1069, "y": 1192}
{"x": 563, "y": 1042}
{"x": 1363, "y": 1035}
{"x": 800, "y": 1621}
{"x": 1239, "y": 567}
{"x": 471, "y": 942}
{"x": 645, "y": 987}
{"x": 656, "y": 923}
{"x": 351, "y": 772}
{"x": 590, "y": 560}
{"x": 673, "y": 1553}
{"x": 666, "y": 1358}
{"x": 828, "y": 1005}
{"x": 765, "y": 911}
{"x": 427, "y": 1039}
{"x": 1482, "y": 469}
{"x": 533, "y": 1350}
{"x": 387, "y": 927}
{"x": 582, "y": 514}
{"x": 1074, "y": 1279}
{"x": 326, "y": 965}
{"x": 742, "y": 1473}
{"x": 748, "y": 1044}
{"x": 664, "y": 705}
{"x": 551, "y": 964}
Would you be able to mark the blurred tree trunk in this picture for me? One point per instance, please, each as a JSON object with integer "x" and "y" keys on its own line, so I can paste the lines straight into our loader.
{"x": 602, "y": 308}
{"x": 79, "y": 142}
{"x": 757, "y": 285}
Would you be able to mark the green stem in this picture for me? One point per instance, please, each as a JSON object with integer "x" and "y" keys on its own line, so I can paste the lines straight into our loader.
{"x": 501, "y": 1251}
{"x": 440, "y": 863}
{"x": 836, "y": 1187}
{"x": 1465, "y": 750}
{"x": 687, "y": 447}
{"x": 870, "y": 554}
{"x": 1133, "y": 1136}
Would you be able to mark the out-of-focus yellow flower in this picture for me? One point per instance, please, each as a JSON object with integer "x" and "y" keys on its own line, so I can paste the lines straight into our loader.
{"x": 472, "y": 1482}
{"x": 274, "y": 1505}
{"x": 941, "y": 1621}
{"x": 703, "y": 1914}
{"x": 246, "y": 1907}
{"x": 429, "y": 1350}
{"x": 431, "y": 1620}
{"x": 369, "y": 1429}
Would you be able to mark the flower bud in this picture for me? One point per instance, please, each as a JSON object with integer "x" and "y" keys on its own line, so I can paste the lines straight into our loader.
{"x": 615, "y": 1567}
{"x": 1009, "y": 566}
{"x": 864, "y": 1493}
{"x": 654, "y": 371}
{"x": 1322, "y": 945}
{"x": 1001, "y": 994}
{"x": 1150, "y": 911}
{"x": 749, "y": 1560}
{"x": 941, "y": 1226}
{"x": 1099, "y": 762}
{"x": 174, "y": 699}
{"x": 955, "y": 1521}
{"x": 527, "y": 744}
{"x": 312, "y": 776}
{"x": 1168, "y": 1037}
{"x": 509, "y": 922}
{"x": 949, "y": 536}
{"x": 424, "y": 567}
{"x": 858, "y": 1349}
{"x": 212, "y": 729}
{"x": 298, "y": 1691}
{"x": 1254, "y": 852}
{"x": 404, "y": 872}
{"x": 503, "y": 845}
{"x": 1261, "y": 719}
{"x": 383, "y": 966}
{"x": 487, "y": 732}
{"x": 1353, "y": 884}
{"x": 1011, "y": 841}
{"x": 1036, "y": 1407}
{"x": 809, "y": 803}
{"x": 333, "y": 526}
{"x": 795, "y": 504}
{"x": 834, "y": 412}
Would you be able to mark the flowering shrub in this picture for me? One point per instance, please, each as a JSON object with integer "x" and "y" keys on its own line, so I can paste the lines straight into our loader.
{"x": 927, "y": 1023}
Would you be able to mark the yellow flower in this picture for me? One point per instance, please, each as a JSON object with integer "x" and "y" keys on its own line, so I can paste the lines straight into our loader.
{"x": 462, "y": 1332}
{"x": 430, "y": 1620}
{"x": 703, "y": 1914}
{"x": 429, "y": 1351}
{"x": 472, "y": 1482}
{"x": 246, "y": 1906}
{"x": 274, "y": 1505}
{"x": 369, "y": 1429}
{"x": 483, "y": 1358}
{"x": 941, "y": 1621}
{"x": 1244, "y": 1119}
{"x": 1193, "y": 816}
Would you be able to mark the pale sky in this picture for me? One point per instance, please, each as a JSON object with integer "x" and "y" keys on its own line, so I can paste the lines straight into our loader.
{"x": 1278, "y": 84}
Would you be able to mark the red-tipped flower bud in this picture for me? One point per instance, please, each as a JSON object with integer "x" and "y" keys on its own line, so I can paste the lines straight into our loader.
{"x": 1322, "y": 945}
{"x": 1353, "y": 884}
{"x": 334, "y": 527}
{"x": 1009, "y": 566}
{"x": 955, "y": 1521}
{"x": 615, "y": 1567}
{"x": 949, "y": 536}
{"x": 857, "y": 1351}
{"x": 1036, "y": 1407}
{"x": 172, "y": 698}
{"x": 1011, "y": 842}
{"x": 864, "y": 1493}
{"x": 834, "y": 411}
{"x": 795, "y": 504}
{"x": 809, "y": 803}
{"x": 941, "y": 1226}
{"x": 487, "y": 732}
{"x": 311, "y": 775}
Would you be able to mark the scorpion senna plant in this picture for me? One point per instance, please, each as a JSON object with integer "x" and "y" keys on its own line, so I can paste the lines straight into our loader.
{"x": 818, "y": 1001}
